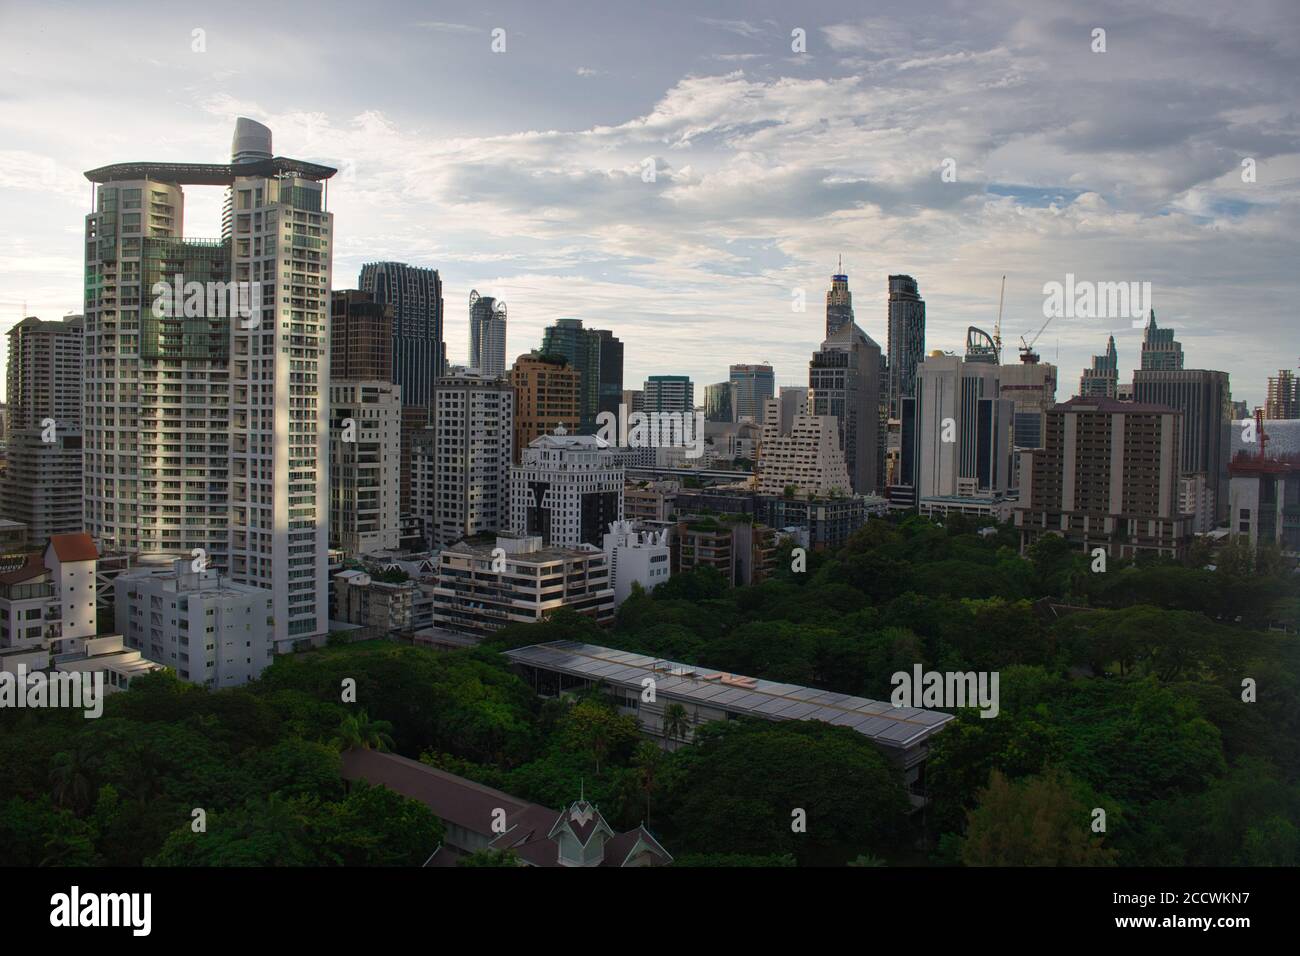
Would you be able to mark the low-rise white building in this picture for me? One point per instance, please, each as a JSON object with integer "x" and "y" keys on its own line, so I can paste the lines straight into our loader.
{"x": 48, "y": 602}
{"x": 209, "y": 629}
{"x": 643, "y": 557}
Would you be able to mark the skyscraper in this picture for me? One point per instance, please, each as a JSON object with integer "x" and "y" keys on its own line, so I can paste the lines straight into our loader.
{"x": 844, "y": 381}
{"x": 839, "y": 303}
{"x": 669, "y": 393}
{"x": 963, "y": 430}
{"x": 755, "y": 384}
{"x": 206, "y": 434}
{"x": 1102, "y": 379}
{"x": 546, "y": 397}
{"x": 581, "y": 348}
{"x": 42, "y": 484}
{"x": 419, "y": 349}
{"x": 1204, "y": 399}
{"x": 361, "y": 337}
{"x": 473, "y": 424}
{"x": 365, "y": 454}
{"x": 1283, "y": 399}
{"x": 487, "y": 335}
{"x": 720, "y": 402}
{"x": 906, "y": 338}
{"x": 611, "y": 371}
{"x": 1159, "y": 350}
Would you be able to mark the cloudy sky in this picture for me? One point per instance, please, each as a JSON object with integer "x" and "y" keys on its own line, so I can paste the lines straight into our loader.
{"x": 522, "y": 173}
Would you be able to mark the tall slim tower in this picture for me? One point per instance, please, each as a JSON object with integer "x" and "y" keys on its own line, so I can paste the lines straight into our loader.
{"x": 905, "y": 338}
{"x": 207, "y": 424}
{"x": 487, "y": 335}
{"x": 844, "y": 382}
{"x": 839, "y": 305}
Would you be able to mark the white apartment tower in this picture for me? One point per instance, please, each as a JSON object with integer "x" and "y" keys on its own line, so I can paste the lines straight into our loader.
{"x": 206, "y": 373}
{"x": 567, "y": 490}
{"x": 365, "y": 453}
{"x": 473, "y": 423}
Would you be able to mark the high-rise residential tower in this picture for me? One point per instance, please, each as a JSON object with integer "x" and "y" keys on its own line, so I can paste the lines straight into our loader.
{"x": 473, "y": 425}
{"x": 755, "y": 384}
{"x": 581, "y": 349}
{"x": 361, "y": 337}
{"x": 905, "y": 338}
{"x": 207, "y": 425}
{"x": 546, "y": 397}
{"x": 1102, "y": 379}
{"x": 1283, "y": 397}
{"x": 42, "y": 484}
{"x": 419, "y": 347}
{"x": 487, "y": 335}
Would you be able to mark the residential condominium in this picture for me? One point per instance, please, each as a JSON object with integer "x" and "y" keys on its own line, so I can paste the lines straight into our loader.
{"x": 211, "y": 630}
{"x": 48, "y": 601}
{"x": 806, "y": 460}
{"x": 361, "y": 337}
{"x": 567, "y": 490}
{"x": 1106, "y": 477}
{"x": 581, "y": 348}
{"x": 41, "y": 485}
{"x": 208, "y": 432}
{"x": 905, "y": 340}
{"x": 546, "y": 396}
{"x": 365, "y": 457}
{"x": 473, "y": 426}
{"x": 414, "y": 293}
{"x": 487, "y": 335}
{"x": 485, "y": 583}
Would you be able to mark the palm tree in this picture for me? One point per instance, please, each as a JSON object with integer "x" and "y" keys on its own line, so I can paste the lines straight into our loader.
{"x": 675, "y": 722}
{"x": 647, "y": 761}
{"x": 358, "y": 730}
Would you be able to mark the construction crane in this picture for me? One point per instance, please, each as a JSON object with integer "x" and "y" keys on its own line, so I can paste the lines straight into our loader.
{"x": 997, "y": 326}
{"x": 1027, "y": 353}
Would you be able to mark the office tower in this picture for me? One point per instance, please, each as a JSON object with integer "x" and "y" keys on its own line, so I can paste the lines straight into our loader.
{"x": 806, "y": 459}
{"x": 669, "y": 393}
{"x": 755, "y": 384}
{"x": 634, "y": 400}
{"x": 41, "y": 485}
{"x": 419, "y": 346}
{"x": 487, "y": 335}
{"x": 1031, "y": 388}
{"x": 906, "y": 338}
{"x": 963, "y": 430}
{"x": 361, "y": 337}
{"x": 1106, "y": 477}
{"x": 546, "y": 396}
{"x": 567, "y": 490}
{"x": 581, "y": 349}
{"x": 1283, "y": 399}
{"x": 720, "y": 402}
{"x": 1102, "y": 379}
{"x": 207, "y": 426}
{"x": 844, "y": 382}
{"x": 235, "y": 622}
{"x": 1159, "y": 350}
{"x": 611, "y": 372}
{"x": 1204, "y": 398}
{"x": 794, "y": 401}
{"x": 839, "y": 303}
{"x": 473, "y": 422}
{"x": 365, "y": 463}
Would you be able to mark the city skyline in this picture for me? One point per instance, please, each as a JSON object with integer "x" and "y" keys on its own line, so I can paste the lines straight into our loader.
{"x": 768, "y": 165}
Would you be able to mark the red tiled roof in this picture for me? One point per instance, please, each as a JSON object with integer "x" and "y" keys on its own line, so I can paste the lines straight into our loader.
{"x": 33, "y": 568}
{"x": 74, "y": 547}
